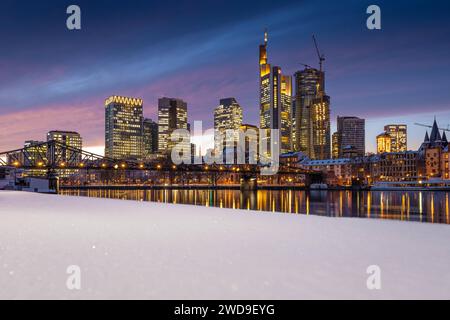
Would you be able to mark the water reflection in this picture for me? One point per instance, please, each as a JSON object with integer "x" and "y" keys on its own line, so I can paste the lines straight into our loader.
{"x": 409, "y": 206}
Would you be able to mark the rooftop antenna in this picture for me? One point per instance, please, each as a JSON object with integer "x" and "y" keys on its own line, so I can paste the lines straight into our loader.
{"x": 321, "y": 56}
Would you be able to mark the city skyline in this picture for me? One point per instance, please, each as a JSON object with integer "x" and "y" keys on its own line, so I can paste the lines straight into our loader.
{"x": 40, "y": 92}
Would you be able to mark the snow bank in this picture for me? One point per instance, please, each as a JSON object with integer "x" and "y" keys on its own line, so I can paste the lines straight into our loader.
{"x": 147, "y": 250}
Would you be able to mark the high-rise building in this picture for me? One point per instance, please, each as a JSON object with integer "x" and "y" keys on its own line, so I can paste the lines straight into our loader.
{"x": 172, "y": 115}
{"x": 335, "y": 145}
{"x": 251, "y": 144}
{"x": 275, "y": 100}
{"x": 321, "y": 128}
{"x": 350, "y": 136}
{"x": 312, "y": 124}
{"x": 70, "y": 139}
{"x": 227, "y": 116}
{"x": 123, "y": 128}
{"x": 384, "y": 143}
{"x": 150, "y": 137}
{"x": 398, "y": 133}
{"x": 294, "y": 123}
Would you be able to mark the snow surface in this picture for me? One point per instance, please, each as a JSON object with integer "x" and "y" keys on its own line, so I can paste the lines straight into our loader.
{"x": 143, "y": 250}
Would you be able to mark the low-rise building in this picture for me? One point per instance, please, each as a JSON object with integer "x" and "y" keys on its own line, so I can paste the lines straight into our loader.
{"x": 336, "y": 171}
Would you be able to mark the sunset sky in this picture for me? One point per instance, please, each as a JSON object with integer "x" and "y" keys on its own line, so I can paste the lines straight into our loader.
{"x": 201, "y": 51}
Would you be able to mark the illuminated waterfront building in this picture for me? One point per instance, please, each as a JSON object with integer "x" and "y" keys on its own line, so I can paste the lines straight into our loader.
{"x": 392, "y": 167}
{"x": 227, "y": 116}
{"x": 399, "y": 137}
{"x": 384, "y": 143}
{"x": 68, "y": 138}
{"x": 350, "y": 135}
{"x": 123, "y": 128}
{"x": 433, "y": 149}
{"x": 275, "y": 101}
{"x": 445, "y": 168}
{"x": 399, "y": 166}
{"x": 312, "y": 131}
{"x": 150, "y": 137}
{"x": 172, "y": 115}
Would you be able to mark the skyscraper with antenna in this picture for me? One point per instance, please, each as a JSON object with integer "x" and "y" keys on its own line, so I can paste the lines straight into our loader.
{"x": 275, "y": 100}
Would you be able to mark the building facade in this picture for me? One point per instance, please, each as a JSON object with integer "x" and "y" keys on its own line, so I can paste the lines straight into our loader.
{"x": 150, "y": 137}
{"x": 445, "y": 168}
{"x": 172, "y": 115}
{"x": 350, "y": 135}
{"x": 384, "y": 143}
{"x": 312, "y": 124}
{"x": 227, "y": 116}
{"x": 434, "y": 150}
{"x": 399, "y": 166}
{"x": 399, "y": 137}
{"x": 68, "y": 138}
{"x": 123, "y": 128}
{"x": 275, "y": 101}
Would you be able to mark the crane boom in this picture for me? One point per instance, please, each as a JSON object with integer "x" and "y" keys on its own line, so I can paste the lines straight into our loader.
{"x": 428, "y": 126}
{"x": 321, "y": 56}
{"x": 306, "y": 65}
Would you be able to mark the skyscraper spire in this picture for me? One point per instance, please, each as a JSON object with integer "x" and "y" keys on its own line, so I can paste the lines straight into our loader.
{"x": 266, "y": 37}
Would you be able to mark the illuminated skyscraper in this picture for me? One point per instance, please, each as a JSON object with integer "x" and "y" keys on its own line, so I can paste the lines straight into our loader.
{"x": 70, "y": 139}
{"x": 350, "y": 136}
{"x": 150, "y": 137}
{"x": 335, "y": 145}
{"x": 227, "y": 116}
{"x": 384, "y": 143}
{"x": 123, "y": 128}
{"x": 398, "y": 133}
{"x": 172, "y": 115}
{"x": 275, "y": 100}
{"x": 321, "y": 128}
{"x": 251, "y": 146}
{"x": 312, "y": 131}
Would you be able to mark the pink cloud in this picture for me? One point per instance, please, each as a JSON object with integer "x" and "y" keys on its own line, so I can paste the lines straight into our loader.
{"x": 85, "y": 118}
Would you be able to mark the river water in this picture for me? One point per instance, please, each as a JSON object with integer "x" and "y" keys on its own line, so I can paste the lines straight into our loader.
{"x": 418, "y": 206}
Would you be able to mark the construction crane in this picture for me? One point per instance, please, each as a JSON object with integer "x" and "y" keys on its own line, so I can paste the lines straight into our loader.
{"x": 428, "y": 126}
{"x": 321, "y": 56}
{"x": 307, "y": 66}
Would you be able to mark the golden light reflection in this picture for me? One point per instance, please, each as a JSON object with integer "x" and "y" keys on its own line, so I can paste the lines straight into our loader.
{"x": 398, "y": 205}
{"x": 432, "y": 208}
{"x": 420, "y": 205}
{"x": 447, "y": 215}
{"x": 307, "y": 205}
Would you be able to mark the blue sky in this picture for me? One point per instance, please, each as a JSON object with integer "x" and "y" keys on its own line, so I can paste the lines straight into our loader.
{"x": 201, "y": 51}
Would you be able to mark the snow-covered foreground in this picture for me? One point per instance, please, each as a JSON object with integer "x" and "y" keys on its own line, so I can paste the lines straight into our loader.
{"x": 146, "y": 250}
